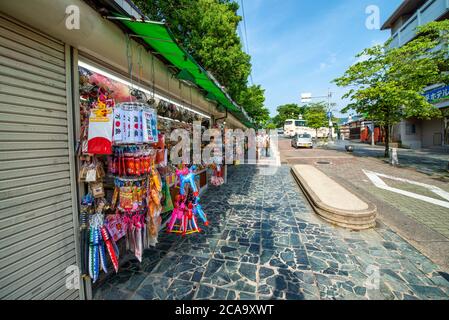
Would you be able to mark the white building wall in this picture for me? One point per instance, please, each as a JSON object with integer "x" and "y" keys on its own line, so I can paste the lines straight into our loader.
{"x": 432, "y": 133}
{"x": 410, "y": 133}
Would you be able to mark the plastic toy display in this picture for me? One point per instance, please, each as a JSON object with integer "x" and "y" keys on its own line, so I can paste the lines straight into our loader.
{"x": 187, "y": 207}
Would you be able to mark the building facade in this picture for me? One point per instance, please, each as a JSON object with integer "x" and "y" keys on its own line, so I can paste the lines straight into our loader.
{"x": 416, "y": 133}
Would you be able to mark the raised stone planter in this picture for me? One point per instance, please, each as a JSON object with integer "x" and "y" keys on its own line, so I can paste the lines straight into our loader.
{"x": 332, "y": 202}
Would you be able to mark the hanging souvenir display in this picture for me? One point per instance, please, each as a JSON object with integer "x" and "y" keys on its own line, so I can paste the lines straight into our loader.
{"x": 124, "y": 207}
{"x": 129, "y": 195}
{"x": 114, "y": 225}
{"x": 131, "y": 161}
{"x": 95, "y": 239}
{"x": 93, "y": 205}
{"x": 167, "y": 203}
{"x": 134, "y": 123}
{"x": 217, "y": 175}
{"x": 154, "y": 206}
{"x": 86, "y": 210}
{"x": 149, "y": 123}
{"x": 100, "y": 126}
{"x": 111, "y": 247}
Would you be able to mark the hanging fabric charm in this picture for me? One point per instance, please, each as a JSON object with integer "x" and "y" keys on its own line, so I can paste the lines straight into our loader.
{"x": 100, "y": 130}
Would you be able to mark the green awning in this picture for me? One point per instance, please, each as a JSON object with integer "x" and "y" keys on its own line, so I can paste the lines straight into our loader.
{"x": 211, "y": 97}
{"x": 221, "y": 108}
{"x": 186, "y": 76}
{"x": 160, "y": 38}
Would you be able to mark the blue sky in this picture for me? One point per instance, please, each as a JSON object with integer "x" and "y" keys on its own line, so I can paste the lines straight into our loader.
{"x": 302, "y": 45}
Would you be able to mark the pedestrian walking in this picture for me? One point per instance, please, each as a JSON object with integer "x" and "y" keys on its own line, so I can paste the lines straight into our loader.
{"x": 259, "y": 145}
{"x": 267, "y": 145}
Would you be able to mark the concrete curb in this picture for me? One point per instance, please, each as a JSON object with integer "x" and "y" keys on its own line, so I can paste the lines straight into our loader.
{"x": 350, "y": 219}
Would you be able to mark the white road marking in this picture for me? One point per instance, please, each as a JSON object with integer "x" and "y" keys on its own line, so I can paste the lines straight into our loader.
{"x": 378, "y": 182}
{"x": 434, "y": 189}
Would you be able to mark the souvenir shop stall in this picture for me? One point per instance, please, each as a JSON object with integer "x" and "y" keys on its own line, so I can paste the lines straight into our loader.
{"x": 100, "y": 99}
{"x": 130, "y": 190}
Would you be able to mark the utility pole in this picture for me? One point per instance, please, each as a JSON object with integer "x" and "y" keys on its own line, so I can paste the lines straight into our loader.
{"x": 329, "y": 112}
{"x": 307, "y": 97}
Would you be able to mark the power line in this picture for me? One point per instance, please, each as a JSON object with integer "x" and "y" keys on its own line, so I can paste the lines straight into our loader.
{"x": 239, "y": 30}
{"x": 244, "y": 25}
{"x": 246, "y": 38}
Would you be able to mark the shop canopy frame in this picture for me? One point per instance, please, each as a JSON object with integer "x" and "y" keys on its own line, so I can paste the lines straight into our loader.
{"x": 159, "y": 37}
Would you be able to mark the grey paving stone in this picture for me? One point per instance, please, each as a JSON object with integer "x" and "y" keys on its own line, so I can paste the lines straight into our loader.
{"x": 206, "y": 292}
{"x": 181, "y": 290}
{"x": 153, "y": 288}
{"x": 231, "y": 275}
{"x": 264, "y": 242}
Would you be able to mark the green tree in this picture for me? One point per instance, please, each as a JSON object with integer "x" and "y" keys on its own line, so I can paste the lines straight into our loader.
{"x": 316, "y": 116}
{"x": 252, "y": 99}
{"x": 271, "y": 126}
{"x": 388, "y": 83}
{"x": 207, "y": 29}
{"x": 287, "y": 111}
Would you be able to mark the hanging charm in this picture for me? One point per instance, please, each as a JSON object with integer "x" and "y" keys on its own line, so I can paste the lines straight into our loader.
{"x": 109, "y": 247}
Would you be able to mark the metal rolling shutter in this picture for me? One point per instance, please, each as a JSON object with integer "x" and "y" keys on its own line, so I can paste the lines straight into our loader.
{"x": 37, "y": 237}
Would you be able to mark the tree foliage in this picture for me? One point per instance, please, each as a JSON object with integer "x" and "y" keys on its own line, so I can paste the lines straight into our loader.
{"x": 316, "y": 116}
{"x": 387, "y": 83}
{"x": 271, "y": 126}
{"x": 287, "y": 111}
{"x": 207, "y": 29}
{"x": 253, "y": 98}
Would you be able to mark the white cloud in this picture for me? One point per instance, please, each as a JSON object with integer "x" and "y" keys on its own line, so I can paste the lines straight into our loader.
{"x": 330, "y": 61}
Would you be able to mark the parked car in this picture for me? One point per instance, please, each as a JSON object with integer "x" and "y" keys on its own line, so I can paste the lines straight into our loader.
{"x": 302, "y": 141}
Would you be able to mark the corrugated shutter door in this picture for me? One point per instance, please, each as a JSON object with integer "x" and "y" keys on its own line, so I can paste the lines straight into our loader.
{"x": 37, "y": 241}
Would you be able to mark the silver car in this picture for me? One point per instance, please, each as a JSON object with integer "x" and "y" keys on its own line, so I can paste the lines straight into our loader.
{"x": 302, "y": 141}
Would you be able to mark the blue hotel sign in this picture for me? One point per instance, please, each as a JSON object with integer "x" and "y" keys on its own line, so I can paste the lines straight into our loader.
{"x": 437, "y": 95}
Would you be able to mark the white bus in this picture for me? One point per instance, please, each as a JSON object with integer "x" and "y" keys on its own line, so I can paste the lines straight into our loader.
{"x": 293, "y": 127}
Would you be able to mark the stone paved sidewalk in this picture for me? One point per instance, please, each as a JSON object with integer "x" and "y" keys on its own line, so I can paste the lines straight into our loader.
{"x": 265, "y": 242}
